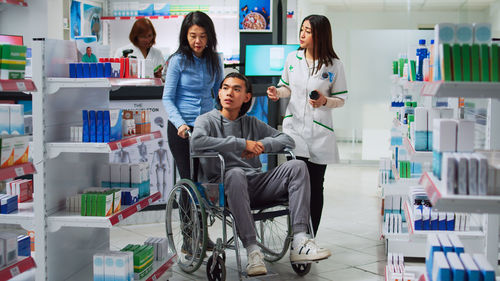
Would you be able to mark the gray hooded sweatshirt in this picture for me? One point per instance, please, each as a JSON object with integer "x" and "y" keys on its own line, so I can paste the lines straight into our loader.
{"x": 213, "y": 132}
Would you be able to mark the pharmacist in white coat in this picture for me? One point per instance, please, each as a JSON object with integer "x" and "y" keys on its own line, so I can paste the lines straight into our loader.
{"x": 314, "y": 67}
{"x": 142, "y": 37}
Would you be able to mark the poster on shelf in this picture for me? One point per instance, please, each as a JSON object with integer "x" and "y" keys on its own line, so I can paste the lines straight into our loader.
{"x": 92, "y": 21}
{"x": 155, "y": 152}
{"x": 75, "y": 19}
{"x": 255, "y": 16}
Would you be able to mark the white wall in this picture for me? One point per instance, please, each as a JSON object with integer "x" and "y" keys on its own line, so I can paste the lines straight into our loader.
{"x": 28, "y": 21}
{"x": 495, "y": 19}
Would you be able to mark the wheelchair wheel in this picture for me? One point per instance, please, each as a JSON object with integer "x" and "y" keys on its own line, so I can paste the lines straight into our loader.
{"x": 186, "y": 225}
{"x": 301, "y": 268}
{"x": 218, "y": 272}
{"x": 273, "y": 234}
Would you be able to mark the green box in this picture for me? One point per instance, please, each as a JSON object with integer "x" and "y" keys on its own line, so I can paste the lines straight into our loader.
{"x": 93, "y": 202}
{"x": 83, "y": 210}
{"x": 457, "y": 62}
{"x": 414, "y": 104}
{"x": 408, "y": 169}
{"x": 494, "y": 63}
{"x": 101, "y": 205}
{"x": 395, "y": 67}
{"x": 413, "y": 70}
{"x": 466, "y": 62}
{"x": 12, "y": 61}
{"x": 485, "y": 63}
{"x": 89, "y": 204}
{"x": 476, "y": 66}
{"x": 446, "y": 71}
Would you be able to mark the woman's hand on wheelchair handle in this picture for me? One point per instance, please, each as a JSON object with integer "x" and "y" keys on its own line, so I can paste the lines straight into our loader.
{"x": 182, "y": 131}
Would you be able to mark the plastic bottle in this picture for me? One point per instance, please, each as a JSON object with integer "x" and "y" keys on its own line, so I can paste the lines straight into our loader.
{"x": 421, "y": 55}
{"x": 431, "y": 61}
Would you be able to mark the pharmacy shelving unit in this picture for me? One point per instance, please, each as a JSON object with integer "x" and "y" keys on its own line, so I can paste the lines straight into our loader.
{"x": 22, "y": 265}
{"x": 488, "y": 205}
{"x": 65, "y": 242}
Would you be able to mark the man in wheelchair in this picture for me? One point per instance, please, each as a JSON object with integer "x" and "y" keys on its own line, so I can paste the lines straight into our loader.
{"x": 241, "y": 139}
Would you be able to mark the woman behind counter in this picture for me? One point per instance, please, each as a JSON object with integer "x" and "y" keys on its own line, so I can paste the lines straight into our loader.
{"x": 142, "y": 37}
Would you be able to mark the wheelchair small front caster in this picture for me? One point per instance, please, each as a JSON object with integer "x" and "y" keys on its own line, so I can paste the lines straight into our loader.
{"x": 216, "y": 268}
{"x": 301, "y": 268}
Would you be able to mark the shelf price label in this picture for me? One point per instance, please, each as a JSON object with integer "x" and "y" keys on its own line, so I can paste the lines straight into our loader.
{"x": 120, "y": 217}
{"x": 1, "y": 88}
{"x": 19, "y": 171}
{"x": 21, "y": 86}
{"x": 15, "y": 271}
{"x": 138, "y": 207}
{"x": 154, "y": 277}
{"x": 150, "y": 200}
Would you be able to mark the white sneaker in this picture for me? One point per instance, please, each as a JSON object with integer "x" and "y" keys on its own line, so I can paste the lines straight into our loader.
{"x": 307, "y": 250}
{"x": 256, "y": 264}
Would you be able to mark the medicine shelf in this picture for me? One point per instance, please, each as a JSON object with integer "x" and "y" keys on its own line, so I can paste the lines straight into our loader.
{"x": 410, "y": 221}
{"x": 23, "y": 216}
{"x": 23, "y": 264}
{"x": 457, "y": 203}
{"x": 74, "y": 219}
{"x": 15, "y": 2}
{"x": 416, "y": 156}
{"x": 399, "y": 187}
{"x": 17, "y": 171}
{"x": 54, "y": 84}
{"x": 56, "y": 148}
{"x": 17, "y": 85}
{"x": 461, "y": 89}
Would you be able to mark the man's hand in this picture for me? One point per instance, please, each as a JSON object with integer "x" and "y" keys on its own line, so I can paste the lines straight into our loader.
{"x": 181, "y": 132}
{"x": 272, "y": 93}
{"x": 252, "y": 149}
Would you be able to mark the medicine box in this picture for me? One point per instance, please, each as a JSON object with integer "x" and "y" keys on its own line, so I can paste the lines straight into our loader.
{"x": 12, "y": 61}
{"x": 16, "y": 119}
{"x": 10, "y": 247}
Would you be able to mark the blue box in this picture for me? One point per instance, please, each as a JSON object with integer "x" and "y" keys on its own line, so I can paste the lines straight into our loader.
{"x": 107, "y": 69}
{"x": 86, "y": 130}
{"x": 72, "y": 70}
{"x": 86, "y": 70}
{"x": 100, "y": 70}
{"x": 23, "y": 246}
{"x": 79, "y": 70}
{"x": 93, "y": 70}
{"x": 8, "y": 204}
{"x": 450, "y": 221}
{"x": 130, "y": 196}
{"x": 105, "y": 126}
{"x": 421, "y": 142}
{"x": 99, "y": 127}
{"x": 92, "y": 126}
{"x": 471, "y": 268}
{"x": 115, "y": 124}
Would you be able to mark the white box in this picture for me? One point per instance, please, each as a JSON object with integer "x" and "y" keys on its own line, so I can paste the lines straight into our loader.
{"x": 16, "y": 119}
{"x": 482, "y": 174}
{"x": 465, "y": 32}
{"x": 470, "y": 267}
{"x": 21, "y": 149}
{"x": 105, "y": 175}
{"x": 444, "y": 33}
{"x": 420, "y": 119}
{"x": 482, "y": 33}
{"x": 456, "y": 266}
{"x": 2, "y": 253}
{"x": 484, "y": 267}
{"x": 449, "y": 173}
{"x": 446, "y": 113}
{"x": 115, "y": 174}
{"x": 463, "y": 173}
{"x": 472, "y": 174}
{"x": 99, "y": 267}
{"x": 433, "y": 113}
{"x": 4, "y": 119}
{"x": 121, "y": 266}
{"x": 109, "y": 267}
{"x": 440, "y": 268}
{"x": 444, "y": 135}
{"x": 7, "y": 151}
{"x": 445, "y": 242}
{"x": 458, "y": 247}
{"x": 130, "y": 265}
{"x": 465, "y": 136}
{"x": 10, "y": 247}
{"x": 125, "y": 175}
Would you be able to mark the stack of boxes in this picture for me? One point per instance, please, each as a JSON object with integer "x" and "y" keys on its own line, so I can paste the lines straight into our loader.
{"x": 12, "y": 61}
{"x": 8, "y": 203}
{"x": 95, "y": 202}
{"x": 131, "y": 178}
{"x": 160, "y": 247}
{"x": 143, "y": 259}
{"x": 396, "y": 268}
{"x": 101, "y": 125}
{"x": 22, "y": 188}
{"x": 8, "y": 248}
{"x": 446, "y": 260}
{"x": 113, "y": 68}
{"x": 136, "y": 122}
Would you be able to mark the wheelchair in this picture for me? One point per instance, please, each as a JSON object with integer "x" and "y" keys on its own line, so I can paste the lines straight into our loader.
{"x": 192, "y": 207}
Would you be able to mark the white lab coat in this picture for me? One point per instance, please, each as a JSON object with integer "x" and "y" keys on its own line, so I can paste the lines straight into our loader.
{"x": 312, "y": 128}
{"x": 154, "y": 54}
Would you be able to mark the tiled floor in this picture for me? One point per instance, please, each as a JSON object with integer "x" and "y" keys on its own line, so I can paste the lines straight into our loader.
{"x": 350, "y": 228}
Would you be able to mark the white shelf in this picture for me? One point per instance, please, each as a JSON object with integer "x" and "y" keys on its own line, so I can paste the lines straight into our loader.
{"x": 416, "y": 156}
{"x": 23, "y": 216}
{"x": 461, "y": 89}
{"x": 23, "y": 264}
{"x": 457, "y": 203}
{"x": 73, "y": 219}
{"x": 54, "y": 84}
{"x": 56, "y": 148}
{"x": 17, "y": 171}
{"x": 399, "y": 187}
{"x": 17, "y": 85}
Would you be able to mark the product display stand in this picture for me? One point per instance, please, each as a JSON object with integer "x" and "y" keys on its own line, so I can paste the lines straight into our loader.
{"x": 65, "y": 242}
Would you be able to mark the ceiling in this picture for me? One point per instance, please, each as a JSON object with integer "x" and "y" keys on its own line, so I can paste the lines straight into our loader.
{"x": 418, "y": 5}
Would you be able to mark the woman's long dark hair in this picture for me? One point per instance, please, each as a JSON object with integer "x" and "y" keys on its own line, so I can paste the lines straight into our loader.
{"x": 210, "y": 52}
{"x": 322, "y": 40}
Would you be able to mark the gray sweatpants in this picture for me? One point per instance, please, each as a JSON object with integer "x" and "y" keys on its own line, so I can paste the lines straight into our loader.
{"x": 288, "y": 180}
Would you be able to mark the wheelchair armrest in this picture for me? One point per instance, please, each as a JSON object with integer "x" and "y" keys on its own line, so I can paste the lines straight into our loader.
{"x": 286, "y": 151}
{"x": 206, "y": 154}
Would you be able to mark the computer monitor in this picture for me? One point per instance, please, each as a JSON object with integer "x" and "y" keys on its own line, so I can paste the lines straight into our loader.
{"x": 266, "y": 60}
{"x": 11, "y": 39}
